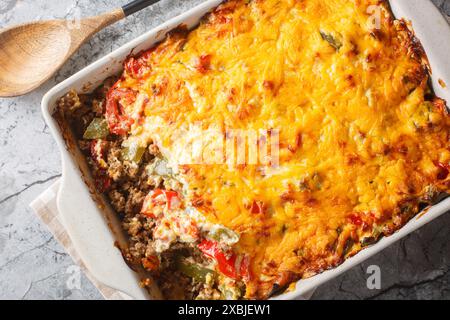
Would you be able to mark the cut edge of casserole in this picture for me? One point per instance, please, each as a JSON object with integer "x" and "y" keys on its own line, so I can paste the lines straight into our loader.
{"x": 363, "y": 143}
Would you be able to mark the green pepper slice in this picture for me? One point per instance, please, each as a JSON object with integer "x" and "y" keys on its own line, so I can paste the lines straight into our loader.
{"x": 97, "y": 129}
{"x": 229, "y": 293}
{"x": 133, "y": 153}
{"x": 333, "y": 41}
{"x": 193, "y": 270}
{"x": 224, "y": 235}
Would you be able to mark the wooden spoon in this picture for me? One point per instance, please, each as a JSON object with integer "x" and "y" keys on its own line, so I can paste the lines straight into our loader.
{"x": 31, "y": 53}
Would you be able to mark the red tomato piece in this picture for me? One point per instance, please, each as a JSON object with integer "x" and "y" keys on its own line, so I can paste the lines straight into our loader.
{"x": 119, "y": 123}
{"x": 138, "y": 66}
{"x": 203, "y": 63}
{"x": 98, "y": 151}
{"x": 355, "y": 219}
{"x": 160, "y": 197}
{"x": 171, "y": 198}
{"x": 228, "y": 263}
{"x": 257, "y": 207}
{"x": 244, "y": 268}
{"x": 225, "y": 264}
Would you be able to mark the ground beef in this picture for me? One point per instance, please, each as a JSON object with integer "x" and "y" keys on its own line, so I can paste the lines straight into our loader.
{"x": 153, "y": 149}
{"x": 70, "y": 103}
{"x": 126, "y": 186}
{"x": 135, "y": 200}
{"x": 97, "y": 107}
{"x": 176, "y": 286}
{"x": 84, "y": 145}
{"x": 116, "y": 168}
{"x": 118, "y": 201}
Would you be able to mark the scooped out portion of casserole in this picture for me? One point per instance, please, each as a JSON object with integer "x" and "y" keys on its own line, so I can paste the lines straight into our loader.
{"x": 269, "y": 144}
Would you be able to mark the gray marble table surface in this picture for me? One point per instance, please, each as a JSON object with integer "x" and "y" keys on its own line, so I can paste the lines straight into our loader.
{"x": 34, "y": 266}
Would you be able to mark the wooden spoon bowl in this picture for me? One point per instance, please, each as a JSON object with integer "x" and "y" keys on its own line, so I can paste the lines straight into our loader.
{"x": 31, "y": 53}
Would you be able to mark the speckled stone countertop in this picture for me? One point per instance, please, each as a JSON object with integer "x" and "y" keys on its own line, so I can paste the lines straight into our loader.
{"x": 34, "y": 266}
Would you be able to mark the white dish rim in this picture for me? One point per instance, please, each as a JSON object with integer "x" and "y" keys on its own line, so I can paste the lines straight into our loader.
{"x": 104, "y": 261}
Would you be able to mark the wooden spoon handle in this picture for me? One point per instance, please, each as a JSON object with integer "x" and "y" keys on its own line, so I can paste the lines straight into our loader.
{"x": 136, "y": 6}
{"x": 92, "y": 25}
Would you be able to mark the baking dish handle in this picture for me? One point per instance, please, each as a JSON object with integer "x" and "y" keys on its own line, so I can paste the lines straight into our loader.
{"x": 90, "y": 233}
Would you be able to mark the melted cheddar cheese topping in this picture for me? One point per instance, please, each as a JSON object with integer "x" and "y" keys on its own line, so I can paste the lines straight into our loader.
{"x": 362, "y": 139}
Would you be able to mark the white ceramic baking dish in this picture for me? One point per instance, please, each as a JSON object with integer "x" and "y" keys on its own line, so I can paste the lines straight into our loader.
{"x": 94, "y": 230}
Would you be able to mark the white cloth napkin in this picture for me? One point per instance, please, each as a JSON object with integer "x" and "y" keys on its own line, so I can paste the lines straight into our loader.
{"x": 45, "y": 208}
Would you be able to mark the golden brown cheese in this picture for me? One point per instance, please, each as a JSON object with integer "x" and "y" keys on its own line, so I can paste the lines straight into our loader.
{"x": 363, "y": 141}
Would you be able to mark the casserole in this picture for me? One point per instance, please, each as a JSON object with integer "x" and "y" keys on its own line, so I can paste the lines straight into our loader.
{"x": 304, "y": 283}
